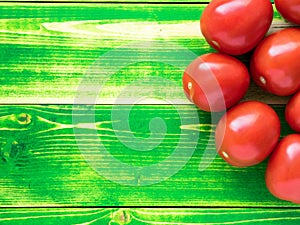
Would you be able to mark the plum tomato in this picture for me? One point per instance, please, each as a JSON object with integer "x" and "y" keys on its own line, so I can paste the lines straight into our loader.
{"x": 247, "y": 133}
{"x": 283, "y": 169}
{"x": 289, "y": 9}
{"x": 215, "y": 81}
{"x": 236, "y": 26}
{"x": 292, "y": 112}
{"x": 275, "y": 62}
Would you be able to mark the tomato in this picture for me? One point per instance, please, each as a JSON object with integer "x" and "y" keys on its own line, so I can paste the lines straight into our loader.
{"x": 275, "y": 63}
{"x": 236, "y": 26}
{"x": 292, "y": 112}
{"x": 289, "y": 9}
{"x": 247, "y": 133}
{"x": 283, "y": 169}
{"x": 215, "y": 81}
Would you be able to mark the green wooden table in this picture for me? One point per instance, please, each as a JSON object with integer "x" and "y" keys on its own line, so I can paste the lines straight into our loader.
{"x": 95, "y": 128}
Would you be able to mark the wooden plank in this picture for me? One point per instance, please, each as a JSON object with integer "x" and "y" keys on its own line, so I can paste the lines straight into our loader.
{"x": 53, "y": 53}
{"x": 119, "y": 1}
{"x": 116, "y": 1}
{"x": 139, "y": 216}
{"x": 62, "y": 216}
{"x": 215, "y": 216}
{"x": 164, "y": 156}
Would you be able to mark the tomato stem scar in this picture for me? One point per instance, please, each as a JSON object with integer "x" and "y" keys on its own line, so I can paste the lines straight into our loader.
{"x": 262, "y": 80}
{"x": 225, "y": 155}
{"x": 215, "y": 43}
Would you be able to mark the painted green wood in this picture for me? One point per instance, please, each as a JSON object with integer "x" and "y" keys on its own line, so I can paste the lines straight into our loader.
{"x": 121, "y": 1}
{"x": 215, "y": 216}
{"x": 61, "y": 216}
{"x": 52, "y": 53}
{"x": 117, "y": 1}
{"x": 49, "y": 51}
{"x": 51, "y": 158}
{"x": 134, "y": 216}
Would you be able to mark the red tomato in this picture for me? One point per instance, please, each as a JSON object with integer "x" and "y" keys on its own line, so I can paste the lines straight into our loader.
{"x": 275, "y": 63}
{"x": 236, "y": 26}
{"x": 283, "y": 170}
{"x": 247, "y": 133}
{"x": 215, "y": 81}
{"x": 289, "y": 9}
{"x": 292, "y": 112}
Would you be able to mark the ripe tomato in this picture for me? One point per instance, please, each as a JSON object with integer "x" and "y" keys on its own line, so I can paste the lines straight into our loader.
{"x": 275, "y": 63}
{"x": 215, "y": 81}
{"x": 283, "y": 170}
{"x": 247, "y": 133}
{"x": 236, "y": 26}
{"x": 292, "y": 112}
{"x": 289, "y": 9}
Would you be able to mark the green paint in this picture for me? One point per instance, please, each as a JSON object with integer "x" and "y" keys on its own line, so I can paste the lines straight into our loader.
{"x": 135, "y": 216}
{"x": 51, "y": 170}
{"x": 45, "y": 51}
{"x": 136, "y": 1}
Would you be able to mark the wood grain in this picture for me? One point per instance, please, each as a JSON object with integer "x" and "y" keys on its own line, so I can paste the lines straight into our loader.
{"x": 215, "y": 216}
{"x": 53, "y": 53}
{"x": 51, "y": 156}
{"x": 54, "y": 156}
{"x": 116, "y": 1}
{"x": 139, "y": 216}
{"x": 62, "y": 216}
{"x": 120, "y": 1}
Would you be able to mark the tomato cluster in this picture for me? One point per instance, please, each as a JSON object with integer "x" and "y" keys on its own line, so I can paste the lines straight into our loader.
{"x": 249, "y": 131}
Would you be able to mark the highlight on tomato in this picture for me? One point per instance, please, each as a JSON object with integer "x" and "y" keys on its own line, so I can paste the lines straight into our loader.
{"x": 215, "y": 82}
{"x": 283, "y": 169}
{"x": 247, "y": 133}
{"x": 236, "y": 26}
{"x": 275, "y": 63}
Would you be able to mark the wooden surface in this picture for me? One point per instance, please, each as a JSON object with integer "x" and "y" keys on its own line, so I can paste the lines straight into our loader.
{"x": 142, "y": 216}
{"x": 45, "y": 159}
{"x": 120, "y": 1}
{"x": 48, "y": 51}
{"x": 61, "y": 157}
